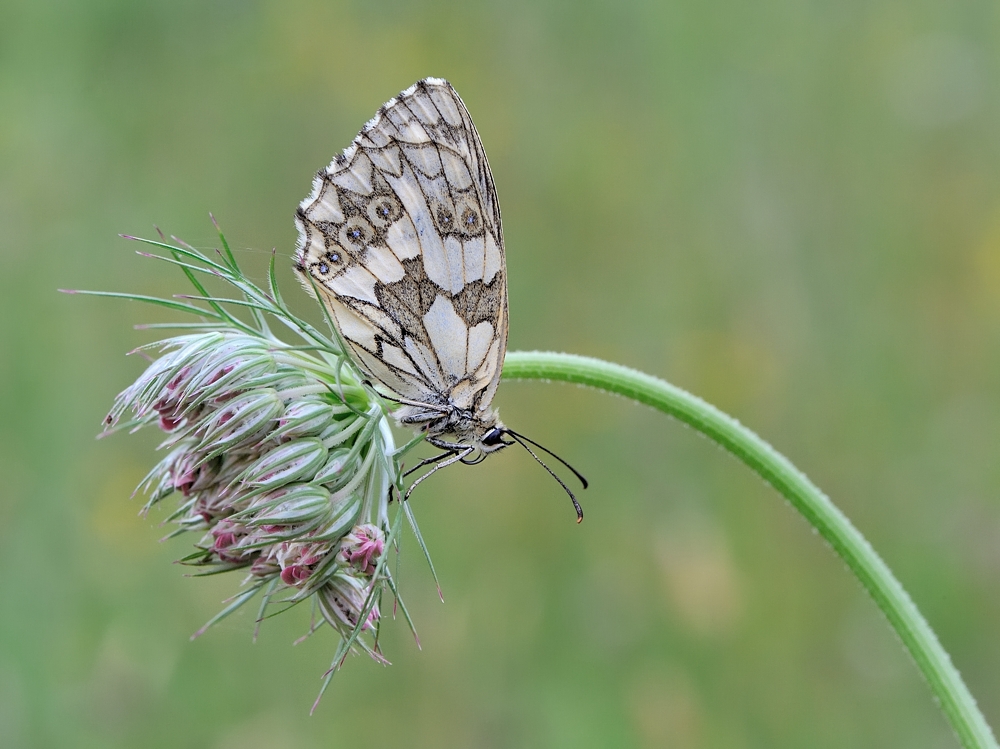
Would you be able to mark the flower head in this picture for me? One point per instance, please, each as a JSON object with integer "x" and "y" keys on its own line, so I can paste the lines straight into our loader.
{"x": 280, "y": 458}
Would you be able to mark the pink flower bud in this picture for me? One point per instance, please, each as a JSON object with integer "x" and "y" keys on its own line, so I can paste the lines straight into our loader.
{"x": 362, "y": 548}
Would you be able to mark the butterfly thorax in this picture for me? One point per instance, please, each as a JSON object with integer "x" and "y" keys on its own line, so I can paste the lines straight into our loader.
{"x": 456, "y": 427}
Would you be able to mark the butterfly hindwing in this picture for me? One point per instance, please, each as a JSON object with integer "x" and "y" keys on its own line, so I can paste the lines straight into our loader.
{"x": 402, "y": 237}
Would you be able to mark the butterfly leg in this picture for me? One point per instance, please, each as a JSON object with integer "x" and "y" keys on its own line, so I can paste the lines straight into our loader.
{"x": 429, "y": 461}
{"x": 454, "y": 458}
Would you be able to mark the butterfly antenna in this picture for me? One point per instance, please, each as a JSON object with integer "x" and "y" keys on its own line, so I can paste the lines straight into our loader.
{"x": 576, "y": 505}
{"x": 519, "y": 437}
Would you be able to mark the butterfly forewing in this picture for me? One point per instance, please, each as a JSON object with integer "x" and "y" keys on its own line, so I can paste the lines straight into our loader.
{"x": 402, "y": 237}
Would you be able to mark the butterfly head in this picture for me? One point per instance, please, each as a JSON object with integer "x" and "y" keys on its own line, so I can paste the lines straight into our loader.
{"x": 494, "y": 440}
{"x": 463, "y": 429}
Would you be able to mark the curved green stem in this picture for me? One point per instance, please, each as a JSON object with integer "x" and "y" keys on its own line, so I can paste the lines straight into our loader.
{"x": 917, "y": 636}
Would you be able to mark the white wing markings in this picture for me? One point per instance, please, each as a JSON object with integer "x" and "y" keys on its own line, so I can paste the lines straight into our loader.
{"x": 488, "y": 369}
{"x": 409, "y": 129}
{"x": 400, "y": 383}
{"x": 480, "y": 338}
{"x": 326, "y": 206}
{"x": 357, "y": 177}
{"x": 494, "y": 261}
{"x": 475, "y": 258}
{"x": 455, "y": 170}
{"x": 446, "y": 105}
{"x": 352, "y": 326}
{"x": 456, "y": 264}
{"x": 394, "y": 355}
{"x": 449, "y": 336}
{"x": 380, "y": 319}
{"x": 383, "y": 264}
{"x": 386, "y": 159}
{"x": 408, "y": 191}
{"x": 356, "y": 282}
{"x": 310, "y": 237}
{"x": 423, "y": 108}
{"x": 424, "y": 159}
{"x": 375, "y": 133}
{"x": 401, "y": 237}
{"x": 426, "y": 362}
{"x": 437, "y": 197}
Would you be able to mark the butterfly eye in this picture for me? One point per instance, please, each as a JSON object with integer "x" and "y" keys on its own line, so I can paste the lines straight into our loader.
{"x": 493, "y": 437}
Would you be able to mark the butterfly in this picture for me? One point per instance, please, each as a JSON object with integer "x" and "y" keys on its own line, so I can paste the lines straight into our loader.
{"x": 402, "y": 240}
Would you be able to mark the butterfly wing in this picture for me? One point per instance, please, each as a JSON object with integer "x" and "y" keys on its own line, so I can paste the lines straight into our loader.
{"x": 402, "y": 237}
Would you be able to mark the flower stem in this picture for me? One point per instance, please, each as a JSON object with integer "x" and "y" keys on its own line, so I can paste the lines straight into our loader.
{"x": 919, "y": 639}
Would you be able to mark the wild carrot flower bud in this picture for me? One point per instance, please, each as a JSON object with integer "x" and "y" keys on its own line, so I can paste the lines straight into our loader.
{"x": 291, "y": 461}
{"x": 281, "y": 459}
{"x": 227, "y": 535}
{"x": 362, "y": 547}
{"x": 239, "y": 422}
{"x": 298, "y": 560}
{"x": 303, "y": 417}
{"x": 344, "y": 602}
{"x": 339, "y": 467}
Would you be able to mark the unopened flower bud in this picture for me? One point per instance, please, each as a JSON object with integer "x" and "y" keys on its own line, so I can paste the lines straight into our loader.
{"x": 344, "y": 599}
{"x": 299, "y": 508}
{"x": 304, "y": 418}
{"x": 338, "y": 469}
{"x": 288, "y": 462}
{"x": 239, "y": 423}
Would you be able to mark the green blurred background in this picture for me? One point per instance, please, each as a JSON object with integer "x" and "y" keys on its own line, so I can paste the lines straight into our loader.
{"x": 789, "y": 208}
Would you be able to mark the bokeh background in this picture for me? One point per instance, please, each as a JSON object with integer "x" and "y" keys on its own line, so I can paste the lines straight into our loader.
{"x": 790, "y": 208}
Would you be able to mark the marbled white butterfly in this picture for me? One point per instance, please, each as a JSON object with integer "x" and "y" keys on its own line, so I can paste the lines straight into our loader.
{"x": 401, "y": 237}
